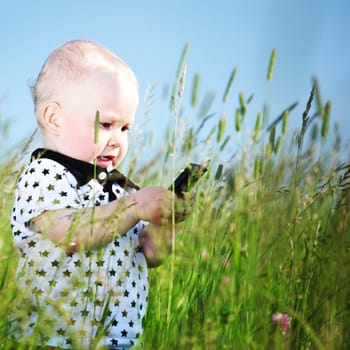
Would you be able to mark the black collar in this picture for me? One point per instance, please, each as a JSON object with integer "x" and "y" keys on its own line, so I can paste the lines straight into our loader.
{"x": 84, "y": 172}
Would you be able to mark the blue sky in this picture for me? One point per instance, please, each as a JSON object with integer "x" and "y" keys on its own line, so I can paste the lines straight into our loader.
{"x": 311, "y": 38}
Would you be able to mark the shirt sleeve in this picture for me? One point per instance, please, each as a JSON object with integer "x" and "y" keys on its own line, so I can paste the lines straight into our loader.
{"x": 44, "y": 185}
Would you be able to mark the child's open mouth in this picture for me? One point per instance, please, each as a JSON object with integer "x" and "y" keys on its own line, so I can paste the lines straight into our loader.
{"x": 105, "y": 161}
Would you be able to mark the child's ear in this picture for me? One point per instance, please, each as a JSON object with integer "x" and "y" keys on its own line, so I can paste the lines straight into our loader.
{"x": 51, "y": 118}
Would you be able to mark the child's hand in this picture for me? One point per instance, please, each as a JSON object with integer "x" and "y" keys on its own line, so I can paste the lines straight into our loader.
{"x": 156, "y": 204}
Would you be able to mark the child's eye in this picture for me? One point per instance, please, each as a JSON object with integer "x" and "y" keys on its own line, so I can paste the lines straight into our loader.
{"x": 105, "y": 125}
{"x": 126, "y": 128}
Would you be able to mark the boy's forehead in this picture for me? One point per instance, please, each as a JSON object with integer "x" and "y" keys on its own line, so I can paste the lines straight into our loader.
{"x": 101, "y": 80}
{"x": 102, "y": 90}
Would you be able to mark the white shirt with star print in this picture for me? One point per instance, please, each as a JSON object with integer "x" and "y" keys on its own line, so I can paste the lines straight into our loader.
{"x": 70, "y": 299}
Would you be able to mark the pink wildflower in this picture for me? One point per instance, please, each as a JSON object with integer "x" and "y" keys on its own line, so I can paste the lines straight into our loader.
{"x": 281, "y": 320}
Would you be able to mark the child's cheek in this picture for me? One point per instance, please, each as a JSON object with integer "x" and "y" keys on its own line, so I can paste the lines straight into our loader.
{"x": 84, "y": 149}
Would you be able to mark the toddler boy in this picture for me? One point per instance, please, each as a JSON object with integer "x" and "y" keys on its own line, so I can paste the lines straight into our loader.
{"x": 85, "y": 233}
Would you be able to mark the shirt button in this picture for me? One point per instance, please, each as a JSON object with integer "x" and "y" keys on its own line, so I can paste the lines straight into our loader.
{"x": 102, "y": 175}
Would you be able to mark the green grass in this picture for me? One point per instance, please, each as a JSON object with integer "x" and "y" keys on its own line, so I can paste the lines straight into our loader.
{"x": 269, "y": 231}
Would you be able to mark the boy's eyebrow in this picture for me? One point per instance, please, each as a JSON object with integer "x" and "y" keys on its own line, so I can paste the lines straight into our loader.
{"x": 113, "y": 118}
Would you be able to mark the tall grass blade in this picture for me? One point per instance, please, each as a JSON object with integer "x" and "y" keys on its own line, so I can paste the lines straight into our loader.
{"x": 179, "y": 73}
{"x": 195, "y": 87}
{"x": 242, "y": 104}
{"x": 325, "y": 120}
{"x": 282, "y": 115}
{"x": 271, "y": 66}
{"x": 318, "y": 97}
{"x": 229, "y": 84}
{"x": 257, "y": 127}
{"x": 221, "y": 129}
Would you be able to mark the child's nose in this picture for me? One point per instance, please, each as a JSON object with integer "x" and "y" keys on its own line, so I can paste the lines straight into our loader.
{"x": 114, "y": 140}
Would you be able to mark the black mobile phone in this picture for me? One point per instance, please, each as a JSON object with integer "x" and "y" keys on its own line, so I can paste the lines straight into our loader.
{"x": 188, "y": 178}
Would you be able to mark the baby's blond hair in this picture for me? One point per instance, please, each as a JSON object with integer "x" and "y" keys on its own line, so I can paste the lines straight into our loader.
{"x": 70, "y": 62}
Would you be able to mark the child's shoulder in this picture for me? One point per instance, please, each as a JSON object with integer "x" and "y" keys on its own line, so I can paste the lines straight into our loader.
{"x": 42, "y": 170}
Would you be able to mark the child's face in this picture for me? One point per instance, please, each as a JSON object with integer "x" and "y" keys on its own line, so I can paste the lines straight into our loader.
{"x": 116, "y": 99}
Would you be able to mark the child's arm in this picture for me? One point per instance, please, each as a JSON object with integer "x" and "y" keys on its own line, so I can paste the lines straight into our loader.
{"x": 156, "y": 242}
{"x": 92, "y": 227}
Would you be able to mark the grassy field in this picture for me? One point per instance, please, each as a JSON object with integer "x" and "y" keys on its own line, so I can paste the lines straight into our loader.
{"x": 269, "y": 232}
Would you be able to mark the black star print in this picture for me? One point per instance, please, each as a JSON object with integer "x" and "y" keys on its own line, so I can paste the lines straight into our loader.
{"x": 95, "y": 322}
{"x": 51, "y": 187}
{"x": 29, "y": 199}
{"x": 133, "y": 304}
{"x": 44, "y": 253}
{"x": 32, "y": 244}
{"x": 126, "y": 252}
{"x": 88, "y": 293}
{"x": 46, "y": 172}
{"x": 63, "y": 194}
{"x": 124, "y": 313}
{"x": 41, "y": 273}
{"x": 64, "y": 293}
{"x": 36, "y": 184}
{"x": 124, "y": 333}
{"x": 131, "y": 324}
{"x": 58, "y": 177}
{"x": 114, "y": 323}
{"x": 112, "y": 272}
{"x": 52, "y": 283}
{"x": 55, "y": 263}
{"x": 61, "y": 331}
{"x": 120, "y": 262}
{"x": 126, "y": 293}
{"x": 37, "y": 291}
{"x": 100, "y": 263}
{"x": 98, "y": 302}
{"x": 84, "y": 312}
{"x": 67, "y": 273}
